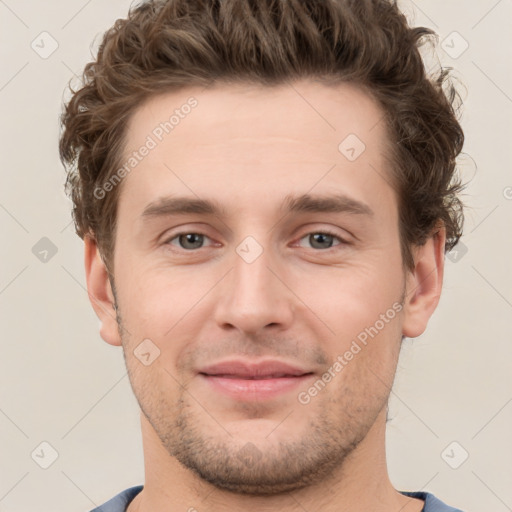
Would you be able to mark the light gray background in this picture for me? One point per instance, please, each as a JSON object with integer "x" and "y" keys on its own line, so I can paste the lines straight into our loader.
{"x": 61, "y": 384}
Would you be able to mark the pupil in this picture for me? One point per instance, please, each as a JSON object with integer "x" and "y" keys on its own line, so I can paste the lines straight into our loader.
{"x": 321, "y": 238}
{"x": 189, "y": 238}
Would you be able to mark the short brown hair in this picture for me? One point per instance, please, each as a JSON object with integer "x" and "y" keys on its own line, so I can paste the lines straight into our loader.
{"x": 167, "y": 45}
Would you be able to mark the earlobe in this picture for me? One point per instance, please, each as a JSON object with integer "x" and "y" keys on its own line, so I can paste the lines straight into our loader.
{"x": 424, "y": 284}
{"x": 100, "y": 292}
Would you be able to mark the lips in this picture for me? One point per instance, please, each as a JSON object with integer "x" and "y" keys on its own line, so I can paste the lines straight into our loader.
{"x": 254, "y": 381}
{"x": 238, "y": 369}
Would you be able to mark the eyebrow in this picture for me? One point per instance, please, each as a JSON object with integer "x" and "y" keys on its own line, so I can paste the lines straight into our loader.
{"x": 305, "y": 203}
{"x": 337, "y": 203}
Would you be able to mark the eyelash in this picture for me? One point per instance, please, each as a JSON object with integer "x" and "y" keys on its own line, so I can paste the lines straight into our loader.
{"x": 323, "y": 232}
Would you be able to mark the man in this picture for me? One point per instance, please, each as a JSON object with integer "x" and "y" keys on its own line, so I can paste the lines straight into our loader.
{"x": 265, "y": 191}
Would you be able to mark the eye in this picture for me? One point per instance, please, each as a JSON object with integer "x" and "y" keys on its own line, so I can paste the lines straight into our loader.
{"x": 188, "y": 241}
{"x": 323, "y": 240}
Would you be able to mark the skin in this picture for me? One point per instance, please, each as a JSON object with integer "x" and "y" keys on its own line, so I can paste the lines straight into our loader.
{"x": 303, "y": 300}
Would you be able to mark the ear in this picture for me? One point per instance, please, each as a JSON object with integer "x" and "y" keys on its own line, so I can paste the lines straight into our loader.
{"x": 424, "y": 284}
{"x": 100, "y": 292}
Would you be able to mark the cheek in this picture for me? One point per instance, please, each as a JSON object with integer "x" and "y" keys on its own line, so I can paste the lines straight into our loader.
{"x": 166, "y": 308}
{"x": 350, "y": 299}
{"x": 154, "y": 300}
{"x": 363, "y": 312}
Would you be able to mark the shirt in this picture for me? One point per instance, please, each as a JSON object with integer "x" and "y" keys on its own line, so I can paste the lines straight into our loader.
{"x": 120, "y": 502}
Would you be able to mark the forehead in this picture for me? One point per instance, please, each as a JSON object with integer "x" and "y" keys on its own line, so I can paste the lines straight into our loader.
{"x": 301, "y": 110}
{"x": 249, "y": 145}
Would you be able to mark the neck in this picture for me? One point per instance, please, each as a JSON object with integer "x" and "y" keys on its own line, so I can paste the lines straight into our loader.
{"x": 362, "y": 483}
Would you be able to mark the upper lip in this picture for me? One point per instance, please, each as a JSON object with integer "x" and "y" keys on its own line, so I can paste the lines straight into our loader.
{"x": 247, "y": 370}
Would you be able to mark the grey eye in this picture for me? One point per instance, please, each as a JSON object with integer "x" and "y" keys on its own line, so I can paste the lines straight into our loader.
{"x": 189, "y": 241}
{"x": 321, "y": 240}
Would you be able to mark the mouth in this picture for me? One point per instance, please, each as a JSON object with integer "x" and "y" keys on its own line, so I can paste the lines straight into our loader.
{"x": 253, "y": 377}
{"x": 243, "y": 380}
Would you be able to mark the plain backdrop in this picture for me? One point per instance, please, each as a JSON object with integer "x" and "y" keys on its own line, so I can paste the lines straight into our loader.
{"x": 451, "y": 407}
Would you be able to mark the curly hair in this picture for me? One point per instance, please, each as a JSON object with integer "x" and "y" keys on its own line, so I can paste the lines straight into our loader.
{"x": 166, "y": 45}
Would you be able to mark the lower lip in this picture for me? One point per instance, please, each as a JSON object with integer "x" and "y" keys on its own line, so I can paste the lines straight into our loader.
{"x": 255, "y": 389}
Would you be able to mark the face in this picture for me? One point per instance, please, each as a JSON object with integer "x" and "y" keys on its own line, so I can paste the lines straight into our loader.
{"x": 258, "y": 279}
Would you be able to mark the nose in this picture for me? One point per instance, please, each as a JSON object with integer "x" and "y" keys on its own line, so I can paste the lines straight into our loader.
{"x": 254, "y": 295}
